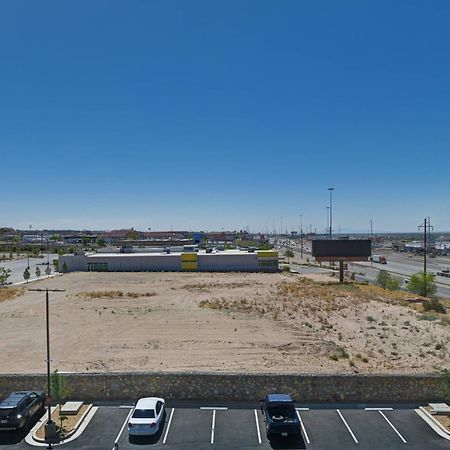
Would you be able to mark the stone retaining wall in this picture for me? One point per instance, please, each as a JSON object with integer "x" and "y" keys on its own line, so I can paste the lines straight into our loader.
{"x": 238, "y": 387}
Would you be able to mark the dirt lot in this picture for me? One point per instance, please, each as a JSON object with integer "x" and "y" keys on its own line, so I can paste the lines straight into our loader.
{"x": 219, "y": 322}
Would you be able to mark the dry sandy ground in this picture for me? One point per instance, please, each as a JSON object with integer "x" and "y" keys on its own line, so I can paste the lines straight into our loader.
{"x": 218, "y": 322}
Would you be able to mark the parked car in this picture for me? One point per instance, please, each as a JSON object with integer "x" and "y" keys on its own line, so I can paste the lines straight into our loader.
{"x": 147, "y": 417}
{"x": 17, "y": 410}
{"x": 280, "y": 415}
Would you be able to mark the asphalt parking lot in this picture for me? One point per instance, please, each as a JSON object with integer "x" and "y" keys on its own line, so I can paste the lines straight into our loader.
{"x": 233, "y": 427}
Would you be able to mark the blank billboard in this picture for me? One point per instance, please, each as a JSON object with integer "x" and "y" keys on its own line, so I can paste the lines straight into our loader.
{"x": 341, "y": 248}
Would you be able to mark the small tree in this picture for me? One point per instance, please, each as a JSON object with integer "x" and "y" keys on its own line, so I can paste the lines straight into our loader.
{"x": 289, "y": 254}
{"x": 64, "y": 267}
{"x": 59, "y": 391}
{"x": 383, "y": 278}
{"x": 4, "y": 275}
{"x": 422, "y": 284}
{"x": 26, "y": 275}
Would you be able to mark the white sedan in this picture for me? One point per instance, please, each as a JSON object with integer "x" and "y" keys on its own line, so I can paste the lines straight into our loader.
{"x": 147, "y": 417}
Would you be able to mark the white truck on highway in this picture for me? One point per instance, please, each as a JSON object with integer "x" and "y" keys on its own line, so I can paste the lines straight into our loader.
{"x": 379, "y": 259}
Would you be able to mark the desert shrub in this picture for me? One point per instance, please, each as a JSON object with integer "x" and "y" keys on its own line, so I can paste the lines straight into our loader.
{"x": 434, "y": 305}
{"x": 422, "y": 284}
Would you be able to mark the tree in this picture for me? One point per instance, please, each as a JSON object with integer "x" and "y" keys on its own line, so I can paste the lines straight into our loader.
{"x": 422, "y": 284}
{"x": 132, "y": 234}
{"x": 59, "y": 391}
{"x": 64, "y": 267}
{"x": 101, "y": 242}
{"x": 26, "y": 275}
{"x": 4, "y": 275}
{"x": 289, "y": 253}
{"x": 388, "y": 281}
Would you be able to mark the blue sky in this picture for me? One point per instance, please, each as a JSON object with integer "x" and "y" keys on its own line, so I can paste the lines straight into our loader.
{"x": 210, "y": 115}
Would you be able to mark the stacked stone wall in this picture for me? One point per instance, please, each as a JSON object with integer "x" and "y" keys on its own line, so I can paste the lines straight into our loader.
{"x": 305, "y": 388}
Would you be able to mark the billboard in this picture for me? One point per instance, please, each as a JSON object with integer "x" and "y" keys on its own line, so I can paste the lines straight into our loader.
{"x": 341, "y": 249}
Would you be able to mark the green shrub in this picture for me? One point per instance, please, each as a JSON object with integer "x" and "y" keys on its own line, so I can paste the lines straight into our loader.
{"x": 422, "y": 284}
{"x": 434, "y": 305}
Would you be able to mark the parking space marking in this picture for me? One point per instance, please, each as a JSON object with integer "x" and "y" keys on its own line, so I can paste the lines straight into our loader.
{"x": 168, "y": 425}
{"x": 379, "y": 409}
{"x": 302, "y": 409}
{"x": 257, "y": 428}
{"x": 348, "y": 428}
{"x": 213, "y": 426}
{"x": 392, "y": 426}
{"x": 121, "y": 430}
{"x": 214, "y": 408}
{"x": 303, "y": 427}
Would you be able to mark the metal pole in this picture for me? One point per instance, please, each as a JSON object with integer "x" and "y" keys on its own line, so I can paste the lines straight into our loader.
{"x": 47, "y": 325}
{"x": 425, "y": 257}
{"x": 301, "y": 237}
{"x": 328, "y": 219}
{"x": 331, "y": 189}
{"x": 48, "y": 353}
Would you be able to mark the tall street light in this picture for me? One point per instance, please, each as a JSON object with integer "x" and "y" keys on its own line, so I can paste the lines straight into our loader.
{"x": 331, "y": 189}
{"x": 50, "y": 428}
{"x": 327, "y": 229}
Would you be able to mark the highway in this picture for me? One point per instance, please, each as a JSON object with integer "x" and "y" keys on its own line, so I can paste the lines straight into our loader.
{"x": 401, "y": 264}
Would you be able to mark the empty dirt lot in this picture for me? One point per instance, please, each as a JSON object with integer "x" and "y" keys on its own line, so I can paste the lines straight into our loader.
{"x": 232, "y": 322}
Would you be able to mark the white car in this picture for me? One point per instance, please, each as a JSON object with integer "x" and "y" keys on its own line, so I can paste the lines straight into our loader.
{"x": 147, "y": 417}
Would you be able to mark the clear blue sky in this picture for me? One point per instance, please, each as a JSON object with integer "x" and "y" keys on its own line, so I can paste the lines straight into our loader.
{"x": 204, "y": 114}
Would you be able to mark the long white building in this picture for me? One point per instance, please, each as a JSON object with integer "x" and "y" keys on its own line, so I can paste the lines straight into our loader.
{"x": 224, "y": 261}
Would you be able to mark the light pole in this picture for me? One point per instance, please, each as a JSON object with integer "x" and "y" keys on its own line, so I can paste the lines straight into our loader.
{"x": 328, "y": 220}
{"x": 50, "y": 428}
{"x": 331, "y": 189}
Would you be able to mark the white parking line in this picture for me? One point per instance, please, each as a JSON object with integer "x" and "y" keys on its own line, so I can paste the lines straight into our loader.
{"x": 213, "y": 408}
{"x": 392, "y": 426}
{"x": 213, "y": 426}
{"x": 121, "y": 430}
{"x": 257, "y": 427}
{"x": 168, "y": 426}
{"x": 303, "y": 428}
{"x": 379, "y": 409}
{"x": 348, "y": 428}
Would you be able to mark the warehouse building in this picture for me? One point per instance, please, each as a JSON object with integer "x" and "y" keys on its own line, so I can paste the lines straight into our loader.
{"x": 224, "y": 261}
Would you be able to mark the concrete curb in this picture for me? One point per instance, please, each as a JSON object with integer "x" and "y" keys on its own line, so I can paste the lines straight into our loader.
{"x": 31, "y": 280}
{"x": 81, "y": 425}
{"x": 430, "y": 420}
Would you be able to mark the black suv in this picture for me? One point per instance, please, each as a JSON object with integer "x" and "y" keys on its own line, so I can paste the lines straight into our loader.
{"x": 17, "y": 410}
{"x": 280, "y": 415}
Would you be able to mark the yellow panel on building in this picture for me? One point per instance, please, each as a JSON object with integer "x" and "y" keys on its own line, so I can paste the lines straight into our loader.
{"x": 188, "y": 265}
{"x": 267, "y": 254}
{"x": 189, "y": 257}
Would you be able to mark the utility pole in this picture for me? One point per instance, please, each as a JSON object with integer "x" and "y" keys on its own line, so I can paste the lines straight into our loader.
{"x": 331, "y": 189}
{"x": 281, "y": 226}
{"x": 426, "y": 229}
{"x": 50, "y": 427}
{"x": 301, "y": 237}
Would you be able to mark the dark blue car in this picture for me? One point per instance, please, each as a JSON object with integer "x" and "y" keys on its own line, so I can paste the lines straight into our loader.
{"x": 280, "y": 415}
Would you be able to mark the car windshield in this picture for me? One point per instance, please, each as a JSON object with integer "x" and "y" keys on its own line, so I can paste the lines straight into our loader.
{"x": 6, "y": 412}
{"x": 282, "y": 411}
{"x": 144, "y": 414}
